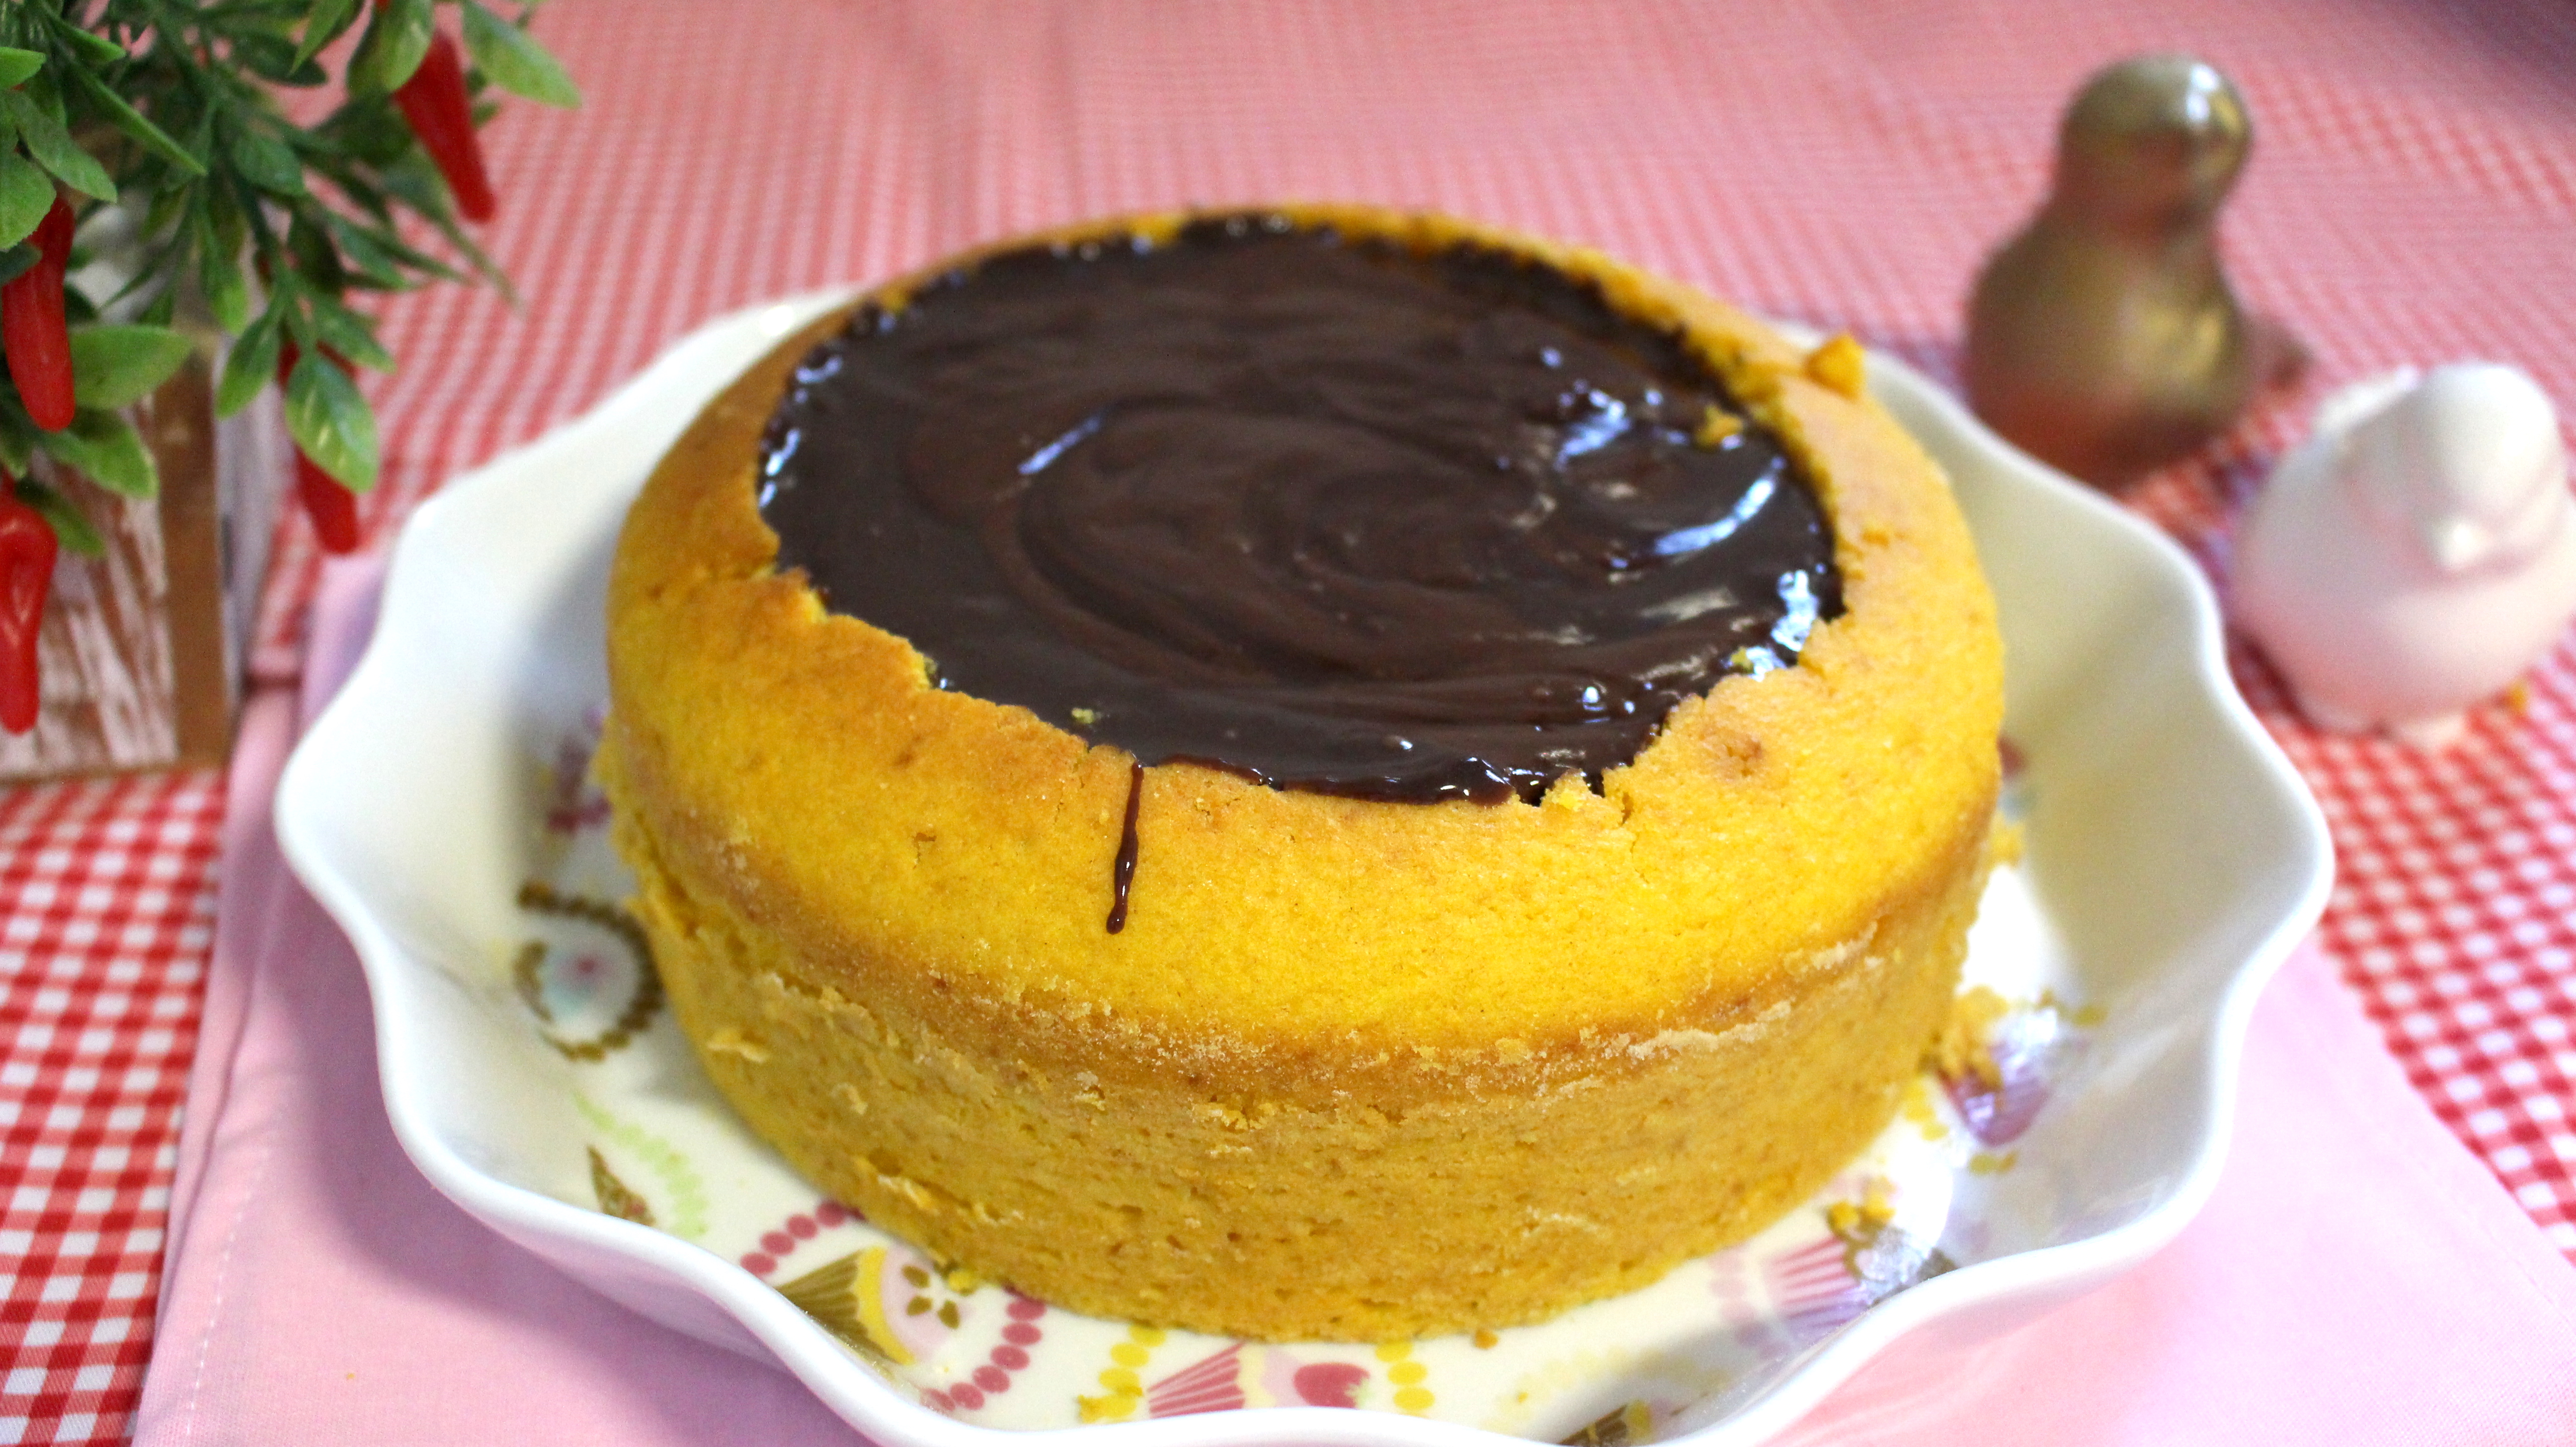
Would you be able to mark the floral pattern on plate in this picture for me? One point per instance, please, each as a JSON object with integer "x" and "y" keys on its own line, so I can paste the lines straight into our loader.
{"x": 664, "y": 1150}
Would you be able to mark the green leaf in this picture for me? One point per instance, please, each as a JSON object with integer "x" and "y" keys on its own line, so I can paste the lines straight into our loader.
{"x": 397, "y": 37}
{"x": 46, "y": 98}
{"x": 164, "y": 211}
{"x": 380, "y": 265}
{"x": 53, "y": 148}
{"x": 267, "y": 162}
{"x": 273, "y": 58}
{"x": 328, "y": 20}
{"x": 370, "y": 203}
{"x": 133, "y": 122}
{"x": 219, "y": 275}
{"x": 70, "y": 528}
{"x": 368, "y": 130}
{"x": 388, "y": 241}
{"x": 26, "y": 194}
{"x": 17, "y": 436}
{"x": 252, "y": 363}
{"x": 107, "y": 448}
{"x": 18, "y": 66}
{"x": 331, "y": 422}
{"x": 413, "y": 179}
{"x": 349, "y": 334}
{"x": 224, "y": 216}
{"x": 315, "y": 257}
{"x": 415, "y": 182}
{"x": 116, "y": 366}
{"x": 227, "y": 294}
{"x": 44, "y": 92}
{"x": 514, "y": 61}
{"x": 99, "y": 49}
{"x": 15, "y": 261}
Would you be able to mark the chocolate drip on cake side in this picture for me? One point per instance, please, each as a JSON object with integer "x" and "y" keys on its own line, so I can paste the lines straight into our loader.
{"x": 1318, "y": 510}
{"x": 1122, "y": 871}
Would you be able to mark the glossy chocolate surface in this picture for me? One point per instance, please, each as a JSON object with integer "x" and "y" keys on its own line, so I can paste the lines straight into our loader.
{"x": 1319, "y": 511}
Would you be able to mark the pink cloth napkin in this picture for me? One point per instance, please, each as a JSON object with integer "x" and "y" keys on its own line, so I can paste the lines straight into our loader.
{"x": 2357, "y": 1279}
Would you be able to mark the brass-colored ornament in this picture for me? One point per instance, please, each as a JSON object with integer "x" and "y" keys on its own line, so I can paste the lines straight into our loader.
{"x": 2104, "y": 338}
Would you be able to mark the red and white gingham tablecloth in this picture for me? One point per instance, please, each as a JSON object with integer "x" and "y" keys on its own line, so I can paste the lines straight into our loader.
{"x": 2412, "y": 200}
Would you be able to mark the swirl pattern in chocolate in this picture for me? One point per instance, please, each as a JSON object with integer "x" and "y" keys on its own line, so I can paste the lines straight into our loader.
{"x": 1320, "y": 511}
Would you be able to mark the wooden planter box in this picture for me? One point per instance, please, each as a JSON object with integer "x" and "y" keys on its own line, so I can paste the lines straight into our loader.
{"x": 142, "y": 650}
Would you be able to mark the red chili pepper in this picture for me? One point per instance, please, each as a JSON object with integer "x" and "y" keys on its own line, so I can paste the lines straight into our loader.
{"x": 38, "y": 343}
{"x": 441, "y": 114}
{"x": 27, "y": 550}
{"x": 332, "y": 508}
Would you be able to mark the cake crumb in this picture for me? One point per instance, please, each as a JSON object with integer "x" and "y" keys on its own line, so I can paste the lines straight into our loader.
{"x": 911, "y": 1190}
{"x": 734, "y": 1042}
{"x": 1839, "y": 364}
{"x": 1961, "y": 1052}
{"x": 1859, "y": 1222}
{"x": 1486, "y": 1341}
{"x": 1715, "y": 426}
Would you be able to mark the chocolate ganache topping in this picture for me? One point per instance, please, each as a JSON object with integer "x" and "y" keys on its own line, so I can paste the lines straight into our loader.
{"x": 1314, "y": 509}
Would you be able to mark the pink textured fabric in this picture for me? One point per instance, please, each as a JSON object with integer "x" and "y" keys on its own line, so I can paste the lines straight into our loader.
{"x": 323, "y": 1292}
{"x": 1846, "y": 161}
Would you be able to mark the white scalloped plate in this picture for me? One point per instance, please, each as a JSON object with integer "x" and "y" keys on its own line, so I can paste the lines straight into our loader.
{"x": 438, "y": 809}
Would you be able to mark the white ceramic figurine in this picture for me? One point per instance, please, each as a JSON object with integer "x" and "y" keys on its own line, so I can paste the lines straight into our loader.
{"x": 2417, "y": 553}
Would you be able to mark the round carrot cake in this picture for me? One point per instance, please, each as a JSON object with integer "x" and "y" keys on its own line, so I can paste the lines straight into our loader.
{"x": 1313, "y": 773}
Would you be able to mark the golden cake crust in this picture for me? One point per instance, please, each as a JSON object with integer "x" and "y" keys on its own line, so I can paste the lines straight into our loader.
{"x": 879, "y": 907}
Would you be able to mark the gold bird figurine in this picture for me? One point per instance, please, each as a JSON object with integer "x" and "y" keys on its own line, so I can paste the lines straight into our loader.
{"x": 2104, "y": 338}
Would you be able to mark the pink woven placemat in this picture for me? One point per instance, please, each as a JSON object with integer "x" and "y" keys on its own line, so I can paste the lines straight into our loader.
{"x": 2411, "y": 200}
